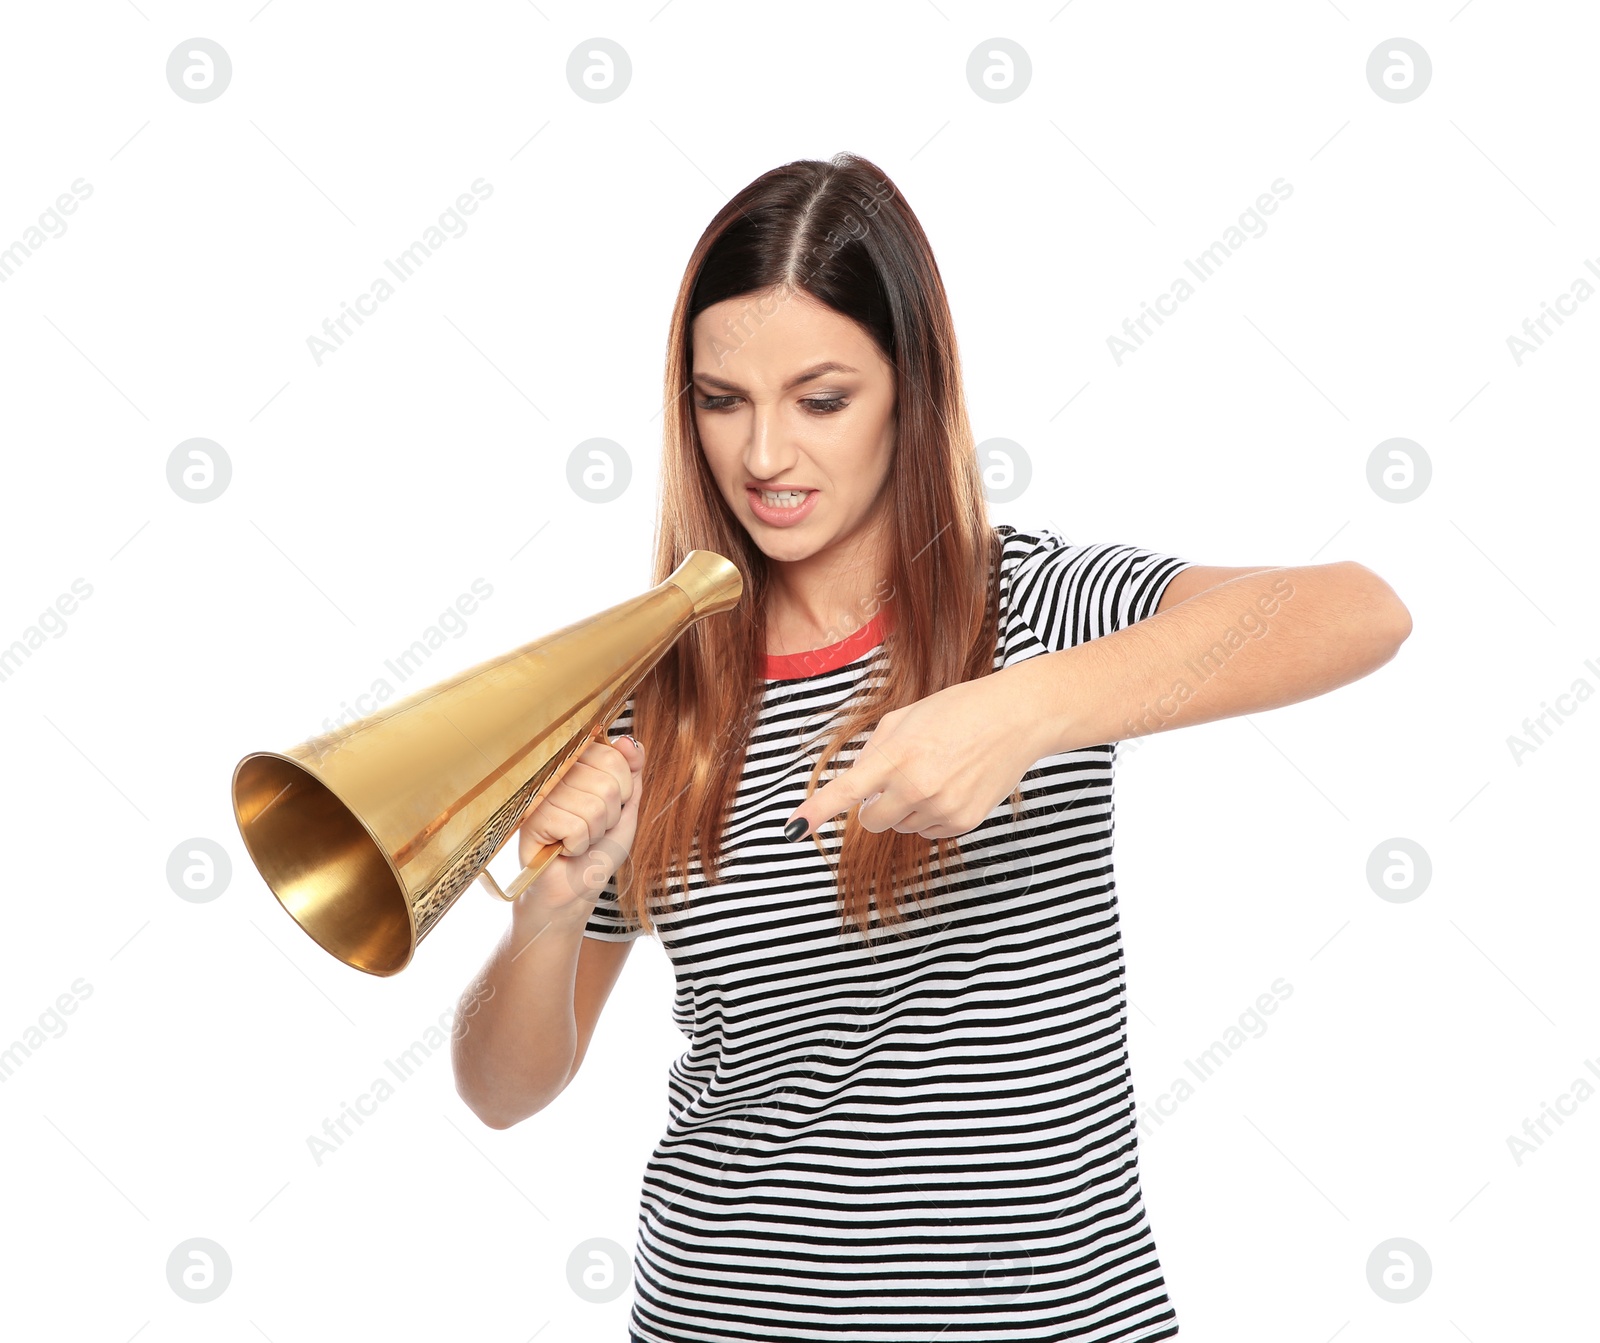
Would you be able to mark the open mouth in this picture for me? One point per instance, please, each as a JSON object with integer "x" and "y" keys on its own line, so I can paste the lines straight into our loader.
{"x": 780, "y": 507}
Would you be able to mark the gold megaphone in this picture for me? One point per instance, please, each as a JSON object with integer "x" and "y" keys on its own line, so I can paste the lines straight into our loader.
{"x": 368, "y": 833}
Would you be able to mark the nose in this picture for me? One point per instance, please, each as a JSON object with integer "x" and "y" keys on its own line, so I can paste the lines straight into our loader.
{"x": 767, "y": 455}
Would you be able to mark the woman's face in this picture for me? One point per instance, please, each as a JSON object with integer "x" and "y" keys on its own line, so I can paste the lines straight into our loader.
{"x": 789, "y": 393}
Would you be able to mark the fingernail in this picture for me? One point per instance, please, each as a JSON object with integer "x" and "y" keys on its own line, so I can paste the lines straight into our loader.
{"x": 634, "y": 740}
{"x": 796, "y": 828}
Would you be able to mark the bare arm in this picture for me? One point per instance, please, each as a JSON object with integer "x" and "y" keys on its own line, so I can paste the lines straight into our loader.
{"x": 599, "y": 968}
{"x": 534, "y": 1009}
{"x": 1263, "y": 639}
{"x": 523, "y": 1025}
{"x": 1223, "y": 642}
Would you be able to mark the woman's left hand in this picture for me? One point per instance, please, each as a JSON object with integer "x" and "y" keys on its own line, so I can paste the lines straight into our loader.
{"x": 936, "y": 767}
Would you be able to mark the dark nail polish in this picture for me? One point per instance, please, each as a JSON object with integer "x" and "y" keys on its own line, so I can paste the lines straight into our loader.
{"x": 796, "y": 828}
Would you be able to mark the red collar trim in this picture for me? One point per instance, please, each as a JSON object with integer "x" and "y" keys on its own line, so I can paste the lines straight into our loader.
{"x": 791, "y": 666}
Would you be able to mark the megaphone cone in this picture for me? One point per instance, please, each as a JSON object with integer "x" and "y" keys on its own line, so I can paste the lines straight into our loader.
{"x": 368, "y": 834}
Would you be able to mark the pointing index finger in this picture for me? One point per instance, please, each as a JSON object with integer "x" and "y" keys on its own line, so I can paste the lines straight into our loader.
{"x": 832, "y": 799}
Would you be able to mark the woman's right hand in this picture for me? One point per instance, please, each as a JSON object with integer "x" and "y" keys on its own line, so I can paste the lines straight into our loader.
{"x": 593, "y": 812}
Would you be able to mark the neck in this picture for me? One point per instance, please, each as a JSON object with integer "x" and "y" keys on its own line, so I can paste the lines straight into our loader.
{"x": 825, "y": 597}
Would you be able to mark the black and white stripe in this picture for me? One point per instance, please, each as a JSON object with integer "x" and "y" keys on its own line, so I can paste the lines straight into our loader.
{"x": 939, "y": 1143}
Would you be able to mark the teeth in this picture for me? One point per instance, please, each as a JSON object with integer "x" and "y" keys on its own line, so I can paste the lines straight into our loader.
{"x": 783, "y": 498}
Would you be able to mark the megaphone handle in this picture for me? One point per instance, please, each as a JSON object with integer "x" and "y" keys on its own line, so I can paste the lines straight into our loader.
{"x": 524, "y": 878}
{"x": 549, "y": 852}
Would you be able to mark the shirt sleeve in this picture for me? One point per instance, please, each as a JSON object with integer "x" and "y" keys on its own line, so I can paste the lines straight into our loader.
{"x": 1069, "y": 594}
{"x": 606, "y": 922}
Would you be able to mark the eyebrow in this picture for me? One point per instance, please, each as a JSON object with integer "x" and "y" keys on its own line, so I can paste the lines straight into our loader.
{"x": 830, "y": 366}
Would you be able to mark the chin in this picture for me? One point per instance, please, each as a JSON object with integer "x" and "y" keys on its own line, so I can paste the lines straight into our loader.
{"x": 783, "y": 543}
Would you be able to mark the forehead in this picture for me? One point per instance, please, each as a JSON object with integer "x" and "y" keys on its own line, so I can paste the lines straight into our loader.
{"x": 771, "y": 335}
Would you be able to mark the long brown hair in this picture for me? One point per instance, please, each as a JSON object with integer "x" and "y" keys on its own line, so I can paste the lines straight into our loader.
{"x": 840, "y": 232}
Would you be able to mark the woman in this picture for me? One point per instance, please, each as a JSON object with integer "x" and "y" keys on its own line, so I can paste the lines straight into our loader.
{"x": 905, "y": 1112}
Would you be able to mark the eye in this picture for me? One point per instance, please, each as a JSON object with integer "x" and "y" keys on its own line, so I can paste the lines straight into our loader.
{"x": 816, "y": 405}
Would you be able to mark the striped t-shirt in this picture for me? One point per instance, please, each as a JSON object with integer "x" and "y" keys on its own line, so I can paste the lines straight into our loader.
{"x": 939, "y": 1144}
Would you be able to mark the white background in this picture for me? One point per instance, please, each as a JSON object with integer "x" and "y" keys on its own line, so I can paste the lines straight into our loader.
{"x": 367, "y": 493}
